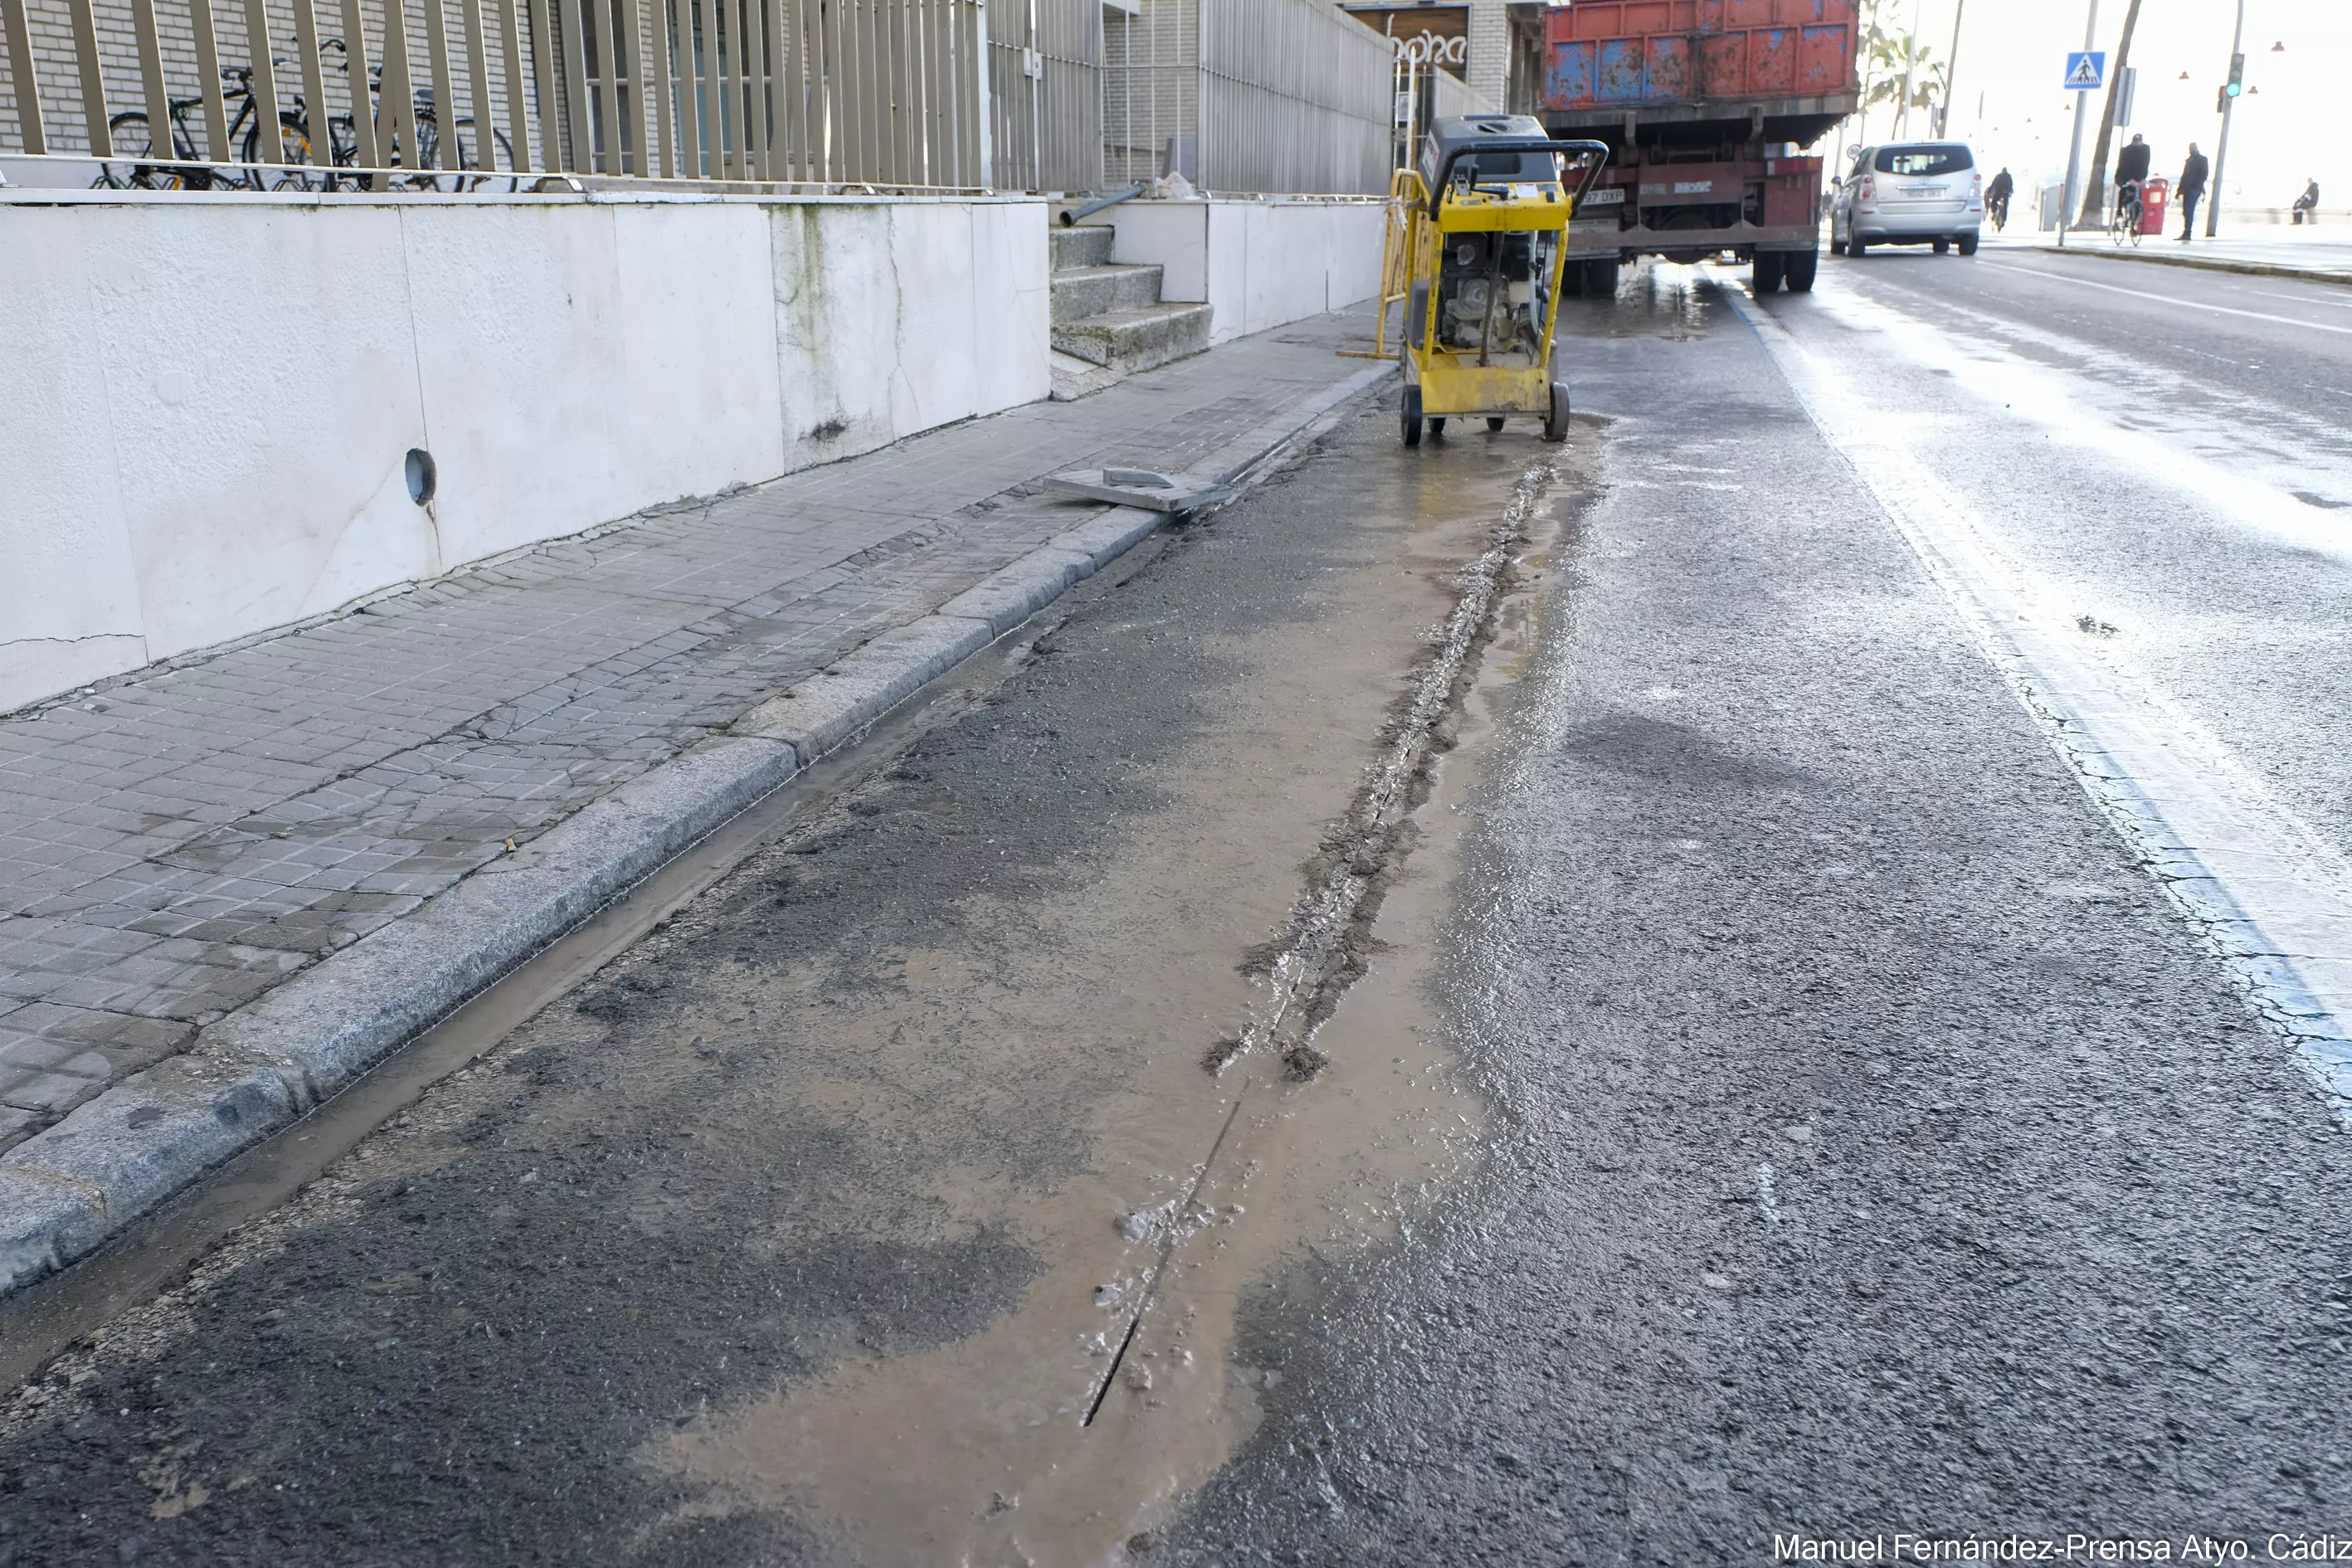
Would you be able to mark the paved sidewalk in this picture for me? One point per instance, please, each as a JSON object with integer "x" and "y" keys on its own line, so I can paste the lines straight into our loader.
{"x": 177, "y": 844}
{"x": 2320, "y": 254}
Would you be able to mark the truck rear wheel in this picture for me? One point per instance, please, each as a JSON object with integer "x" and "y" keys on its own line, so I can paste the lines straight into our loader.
{"x": 1600, "y": 278}
{"x": 1764, "y": 273}
{"x": 1412, "y": 427}
{"x": 1800, "y": 268}
{"x": 1556, "y": 422}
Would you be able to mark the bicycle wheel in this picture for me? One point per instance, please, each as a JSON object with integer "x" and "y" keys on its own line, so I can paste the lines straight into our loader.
{"x": 294, "y": 138}
{"x": 430, "y": 176}
{"x": 496, "y": 176}
{"x": 135, "y": 165}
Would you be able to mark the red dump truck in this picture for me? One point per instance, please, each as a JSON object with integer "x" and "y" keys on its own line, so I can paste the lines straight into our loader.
{"x": 1707, "y": 107}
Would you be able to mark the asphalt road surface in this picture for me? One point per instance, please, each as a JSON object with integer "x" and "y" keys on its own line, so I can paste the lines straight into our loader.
{"x": 1496, "y": 1003}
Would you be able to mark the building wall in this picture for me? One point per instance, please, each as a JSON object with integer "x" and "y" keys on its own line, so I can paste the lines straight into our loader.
{"x": 1490, "y": 51}
{"x": 232, "y": 386}
{"x": 1259, "y": 264}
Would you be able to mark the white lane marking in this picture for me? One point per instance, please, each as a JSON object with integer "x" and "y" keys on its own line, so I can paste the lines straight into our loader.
{"x": 2299, "y": 300}
{"x": 2222, "y": 423}
{"x": 2146, "y": 297}
{"x": 2272, "y": 894}
{"x": 2031, "y": 392}
{"x": 1766, "y": 1204}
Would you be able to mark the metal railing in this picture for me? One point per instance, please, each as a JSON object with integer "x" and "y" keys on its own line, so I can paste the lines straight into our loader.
{"x": 452, "y": 92}
{"x": 1044, "y": 92}
{"x": 1294, "y": 97}
{"x": 1273, "y": 96}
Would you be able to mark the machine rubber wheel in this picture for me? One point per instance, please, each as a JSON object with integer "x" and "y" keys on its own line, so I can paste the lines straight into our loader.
{"x": 1943, "y": 247}
{"x": 1556, "y": 422}
{"x": 1600, "y": 280}
{"x": 1493, "y": 422}
{"x": 1800, "y": 269}
{"x": 1968, "y": 245}
{"x": 1766, "y": 270}
{"x": 1413, "y": 416}
{"x": 1437, "y": 426}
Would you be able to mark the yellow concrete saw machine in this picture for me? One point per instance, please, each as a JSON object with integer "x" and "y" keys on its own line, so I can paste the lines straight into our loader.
{"x": 1475, "y": 250}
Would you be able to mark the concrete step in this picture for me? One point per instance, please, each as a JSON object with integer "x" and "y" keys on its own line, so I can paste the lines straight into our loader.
{"x": 1138, "y": 339}
{"x": 1075, "y": 378}
{"x": 1087, "y": 292}
{"x": 1089, "y": 245}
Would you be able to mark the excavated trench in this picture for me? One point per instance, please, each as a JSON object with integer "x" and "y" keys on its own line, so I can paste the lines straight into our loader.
{"x": 1328, "y": 944}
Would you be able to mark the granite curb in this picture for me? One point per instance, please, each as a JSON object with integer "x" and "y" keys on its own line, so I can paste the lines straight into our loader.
{"x": 67, "y": 1190}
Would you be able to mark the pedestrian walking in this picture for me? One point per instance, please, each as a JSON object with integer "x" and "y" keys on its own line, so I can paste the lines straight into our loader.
{"x": 2306, "y": 205}
{"x": 2191, "y": 186}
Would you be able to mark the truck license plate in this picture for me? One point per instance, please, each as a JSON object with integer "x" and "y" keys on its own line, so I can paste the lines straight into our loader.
{"x": 1614, "y": 196}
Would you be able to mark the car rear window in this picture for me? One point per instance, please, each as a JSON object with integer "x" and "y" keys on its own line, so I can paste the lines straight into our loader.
{"x": 1923, "y": 160}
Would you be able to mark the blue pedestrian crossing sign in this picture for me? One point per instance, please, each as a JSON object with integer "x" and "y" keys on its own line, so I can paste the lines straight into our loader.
{"x": 2087, "y": 70}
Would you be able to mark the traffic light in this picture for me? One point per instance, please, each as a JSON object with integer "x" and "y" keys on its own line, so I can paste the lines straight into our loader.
{"x": 2237, "y": 77}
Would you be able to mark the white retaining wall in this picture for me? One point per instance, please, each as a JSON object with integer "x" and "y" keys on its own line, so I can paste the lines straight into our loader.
{"x": 1259, "y": 263}
{"x": 209, "y": 403}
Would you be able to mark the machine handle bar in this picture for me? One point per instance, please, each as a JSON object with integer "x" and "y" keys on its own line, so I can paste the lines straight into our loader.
{"x": 1521, "y": 144}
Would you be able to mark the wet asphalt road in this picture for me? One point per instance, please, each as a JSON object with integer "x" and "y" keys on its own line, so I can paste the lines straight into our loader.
{"x": 1883, "y": 1152}
{"x": 1862, "y": 1144}
{"x": 2172, "y": 448}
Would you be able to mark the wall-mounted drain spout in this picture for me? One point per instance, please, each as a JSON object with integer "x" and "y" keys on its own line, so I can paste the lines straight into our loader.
{"x": 424, "y": 476}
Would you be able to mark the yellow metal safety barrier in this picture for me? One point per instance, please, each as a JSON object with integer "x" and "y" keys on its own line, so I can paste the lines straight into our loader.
{"x": 1407, "y": 197}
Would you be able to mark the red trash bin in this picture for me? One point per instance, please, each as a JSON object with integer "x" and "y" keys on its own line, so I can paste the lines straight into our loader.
{"x": 2155, "y": 195}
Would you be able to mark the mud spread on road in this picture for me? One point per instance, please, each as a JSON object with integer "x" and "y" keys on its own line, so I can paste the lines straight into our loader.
{"x": 815, "y": 1228}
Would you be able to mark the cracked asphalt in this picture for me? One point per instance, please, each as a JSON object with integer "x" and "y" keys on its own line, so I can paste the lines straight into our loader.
{"x": 1773, "y": 1103}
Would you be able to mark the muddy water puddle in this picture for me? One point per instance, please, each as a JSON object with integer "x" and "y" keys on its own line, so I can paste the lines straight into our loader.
{"x": 1078, "y": 1421}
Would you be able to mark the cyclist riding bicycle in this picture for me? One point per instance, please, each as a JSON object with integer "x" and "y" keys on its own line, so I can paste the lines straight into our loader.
{"x": 2131, "y": 171}
{"x": 1996, "y": 199}
{"x": 2128, "y": 208}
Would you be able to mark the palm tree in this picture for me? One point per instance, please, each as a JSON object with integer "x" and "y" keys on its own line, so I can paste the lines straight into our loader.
{"x": 2107, "y": 123}
{"x": 1897, "y": 68}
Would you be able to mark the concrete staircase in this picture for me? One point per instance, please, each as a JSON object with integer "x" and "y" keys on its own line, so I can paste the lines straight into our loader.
{"x": 1109, "y": 320}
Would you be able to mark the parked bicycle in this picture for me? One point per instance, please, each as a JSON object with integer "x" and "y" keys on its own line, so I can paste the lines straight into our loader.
{"x": 467, "y": 173}
{"x": 140, "y": 165}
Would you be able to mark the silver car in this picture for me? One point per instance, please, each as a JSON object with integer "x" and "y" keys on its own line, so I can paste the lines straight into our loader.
{"x": 1908, "y": 193}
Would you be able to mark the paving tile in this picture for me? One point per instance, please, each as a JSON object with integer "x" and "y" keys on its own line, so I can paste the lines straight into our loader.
{"x": 218, "y": 826}
{"x": 57, "y": 1089}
